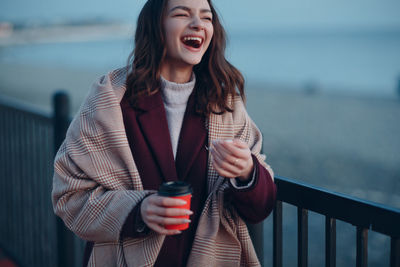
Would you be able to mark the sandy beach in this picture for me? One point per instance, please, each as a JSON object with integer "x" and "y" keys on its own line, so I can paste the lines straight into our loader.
{"x": 347, "y": 144}
{"x": 36, "y": 85}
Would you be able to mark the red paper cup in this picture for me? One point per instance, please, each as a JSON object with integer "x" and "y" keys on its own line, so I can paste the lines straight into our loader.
{"x": 180, "y": 190}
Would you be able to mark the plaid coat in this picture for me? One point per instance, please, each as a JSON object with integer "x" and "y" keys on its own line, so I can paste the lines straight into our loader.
{"x": 96, "y": 184}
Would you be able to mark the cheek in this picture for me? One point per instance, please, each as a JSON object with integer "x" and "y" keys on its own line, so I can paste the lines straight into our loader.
{"x": 170, "y": 32}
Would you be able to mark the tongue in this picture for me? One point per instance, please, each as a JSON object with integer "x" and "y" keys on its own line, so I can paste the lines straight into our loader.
{"x": 193, "y": 43}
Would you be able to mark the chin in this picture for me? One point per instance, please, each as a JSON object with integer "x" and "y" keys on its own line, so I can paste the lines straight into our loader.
{"x": 193, "y": 61}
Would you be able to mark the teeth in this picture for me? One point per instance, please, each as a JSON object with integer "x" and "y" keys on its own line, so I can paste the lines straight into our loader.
{"x": 190, "y": 38}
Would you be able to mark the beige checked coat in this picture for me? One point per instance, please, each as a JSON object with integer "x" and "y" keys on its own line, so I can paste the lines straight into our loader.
{"x": 96, "y": 184}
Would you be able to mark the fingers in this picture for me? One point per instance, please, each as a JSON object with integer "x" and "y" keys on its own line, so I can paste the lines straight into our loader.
{"x": 231, "y": 158}
{"x": 159, "y": 220}
{"x": 240, "y": 144}
{"x": 224, "y": 167}
{"x": 169, "y": 212}
{"x": 234, "y": 149}
{"x": 166, "y": 201}
{"x": 157, "y": 211}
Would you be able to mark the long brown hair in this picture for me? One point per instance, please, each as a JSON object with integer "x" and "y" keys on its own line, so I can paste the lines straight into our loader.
{"x": 216, "y": 78}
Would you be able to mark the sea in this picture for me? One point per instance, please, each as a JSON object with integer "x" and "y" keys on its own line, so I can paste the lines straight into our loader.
{"x": 353, "y": 62}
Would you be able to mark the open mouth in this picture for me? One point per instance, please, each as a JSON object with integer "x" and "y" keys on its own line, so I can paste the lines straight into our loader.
{"x": 192, "y": 41}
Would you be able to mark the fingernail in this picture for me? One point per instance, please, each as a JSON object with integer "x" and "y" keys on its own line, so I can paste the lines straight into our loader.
{"x": 182, "y": 202}
{"x": 187, "y": 221}
{"x": 229, "y": 141}
{"x": 178, "y": 232}
{"x": 189, "y": 212}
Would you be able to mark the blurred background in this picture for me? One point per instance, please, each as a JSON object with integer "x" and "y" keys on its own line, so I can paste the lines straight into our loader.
{"x": 322, "y": 81}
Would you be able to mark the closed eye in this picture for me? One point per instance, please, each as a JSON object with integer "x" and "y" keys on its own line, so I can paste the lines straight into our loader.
{"x": 180, "y": 15}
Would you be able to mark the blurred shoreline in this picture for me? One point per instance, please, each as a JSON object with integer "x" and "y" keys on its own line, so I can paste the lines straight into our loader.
{"x": 62, "y": 33}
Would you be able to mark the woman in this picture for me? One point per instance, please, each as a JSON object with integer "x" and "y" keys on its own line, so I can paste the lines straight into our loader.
{"x": 176, "y": 113}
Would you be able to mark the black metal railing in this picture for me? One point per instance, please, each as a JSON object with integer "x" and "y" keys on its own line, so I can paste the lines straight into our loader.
{"x": 27, "y": 225}
{"x": 30, "y": 232}
{"x": 364, "y": 215}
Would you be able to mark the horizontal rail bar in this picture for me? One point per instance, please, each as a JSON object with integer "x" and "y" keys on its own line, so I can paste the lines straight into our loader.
{"x": 26, "y": 108}
{"x": 362, "y": 213}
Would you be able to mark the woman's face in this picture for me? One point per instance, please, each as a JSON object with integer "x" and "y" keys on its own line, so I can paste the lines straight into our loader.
{"x": 188, "y": 31}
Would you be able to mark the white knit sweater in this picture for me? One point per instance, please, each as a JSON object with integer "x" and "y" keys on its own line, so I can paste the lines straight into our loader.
{"x": 175, "y": 97}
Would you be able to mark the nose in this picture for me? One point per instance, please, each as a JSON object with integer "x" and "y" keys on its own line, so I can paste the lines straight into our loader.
{"x": 197, "y": 23}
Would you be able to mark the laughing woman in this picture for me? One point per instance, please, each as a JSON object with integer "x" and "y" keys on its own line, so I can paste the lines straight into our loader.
{"x": 176, "y": 113}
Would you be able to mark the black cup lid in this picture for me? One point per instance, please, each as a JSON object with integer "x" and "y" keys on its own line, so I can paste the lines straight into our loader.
{"x": 175, "y": 188}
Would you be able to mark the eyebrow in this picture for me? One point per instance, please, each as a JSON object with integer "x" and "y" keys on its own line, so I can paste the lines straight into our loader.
{"x": 185, "y": 8}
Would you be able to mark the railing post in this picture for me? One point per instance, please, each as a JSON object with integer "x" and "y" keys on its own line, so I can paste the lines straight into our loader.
{"x": 65, "y": 239}
{"x": 330, "y": 242}
{"x": 362, "y": 247}
{"x": 395, "y": 252}
{"x": 61, "y": 117}
{"x": 302, "y": 237}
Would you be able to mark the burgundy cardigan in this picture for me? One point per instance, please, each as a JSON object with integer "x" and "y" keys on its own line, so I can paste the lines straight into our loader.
{"x": 148, "y": 135}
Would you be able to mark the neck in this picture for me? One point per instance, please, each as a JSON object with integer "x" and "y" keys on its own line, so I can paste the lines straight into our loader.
{"x": 177, "y": 74}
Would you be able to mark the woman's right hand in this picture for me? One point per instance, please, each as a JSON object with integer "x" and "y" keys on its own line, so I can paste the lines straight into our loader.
{"x": 157, "y": 211}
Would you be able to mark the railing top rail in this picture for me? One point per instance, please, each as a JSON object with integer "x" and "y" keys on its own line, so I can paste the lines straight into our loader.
{"x": 359, "y": 212}
{"x": 27, "y": 108}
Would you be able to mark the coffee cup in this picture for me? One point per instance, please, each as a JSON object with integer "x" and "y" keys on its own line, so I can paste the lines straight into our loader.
{"x": 179, "y": 190}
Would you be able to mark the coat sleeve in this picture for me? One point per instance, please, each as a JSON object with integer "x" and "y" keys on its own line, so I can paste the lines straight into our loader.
{"x": 256, "y": 202}
{"x": 96, "y": 184}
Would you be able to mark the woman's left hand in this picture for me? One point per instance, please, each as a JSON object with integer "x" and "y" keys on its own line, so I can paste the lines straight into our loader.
{"x": 232, "y": 159}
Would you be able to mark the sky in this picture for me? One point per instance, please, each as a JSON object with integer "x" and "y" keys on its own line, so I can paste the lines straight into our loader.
{"x": 270, "y": 14}
{"x": 239, "y": 15}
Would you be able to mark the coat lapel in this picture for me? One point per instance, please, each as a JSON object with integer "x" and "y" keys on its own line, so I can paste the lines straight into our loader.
{"x": 153, "y": 122}
{"x": 191, "y": 139}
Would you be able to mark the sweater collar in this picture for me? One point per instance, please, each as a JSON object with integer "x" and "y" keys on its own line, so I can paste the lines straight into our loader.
{"x": 176, "y": 93}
